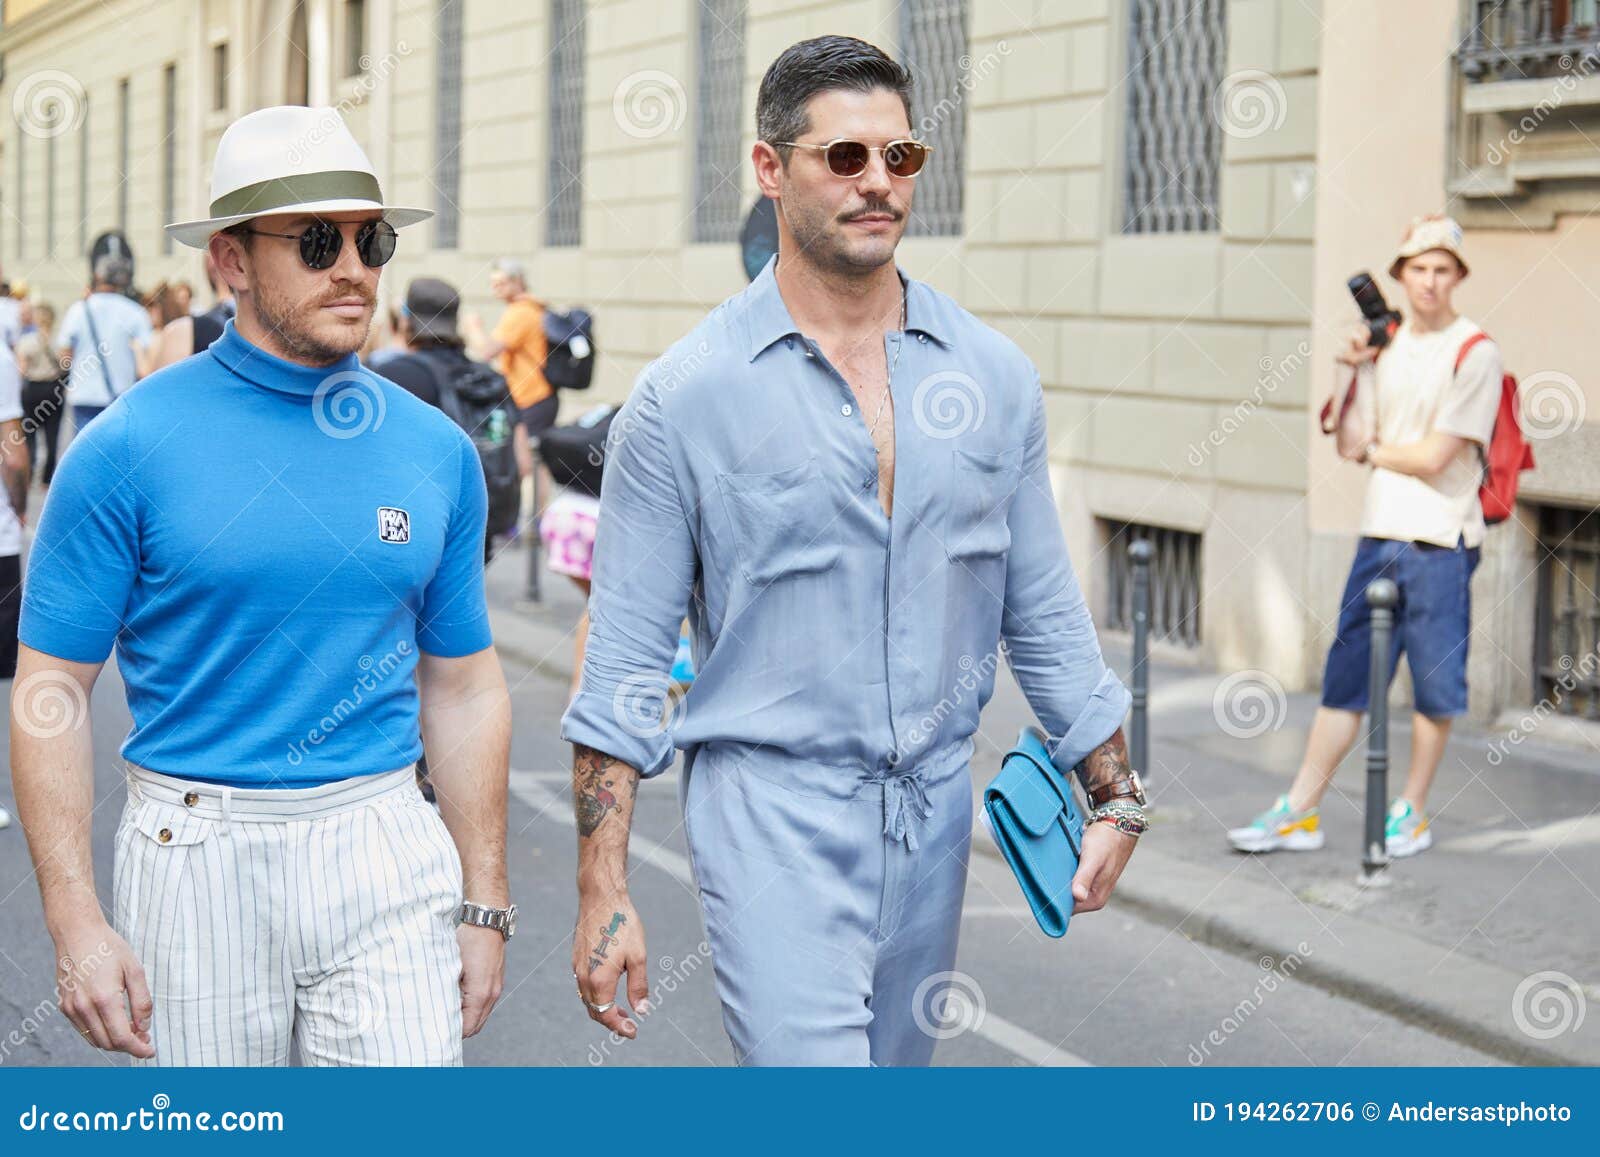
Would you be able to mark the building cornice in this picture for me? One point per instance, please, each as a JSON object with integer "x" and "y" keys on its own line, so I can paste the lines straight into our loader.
{"x": 44, "y": 20}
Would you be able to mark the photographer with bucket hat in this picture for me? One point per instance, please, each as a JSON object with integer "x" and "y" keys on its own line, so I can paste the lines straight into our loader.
{"x": 1427, "y": 410}
{"x": 286, "y": 552}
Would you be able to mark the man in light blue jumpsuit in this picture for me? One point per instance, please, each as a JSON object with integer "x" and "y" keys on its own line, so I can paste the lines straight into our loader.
{"x": 843, "y": 478}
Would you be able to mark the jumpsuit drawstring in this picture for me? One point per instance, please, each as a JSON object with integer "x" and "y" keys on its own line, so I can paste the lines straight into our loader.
{"x": 902, "y": 794}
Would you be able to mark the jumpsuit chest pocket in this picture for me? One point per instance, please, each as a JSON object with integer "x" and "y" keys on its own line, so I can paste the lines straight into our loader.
{"x": 782, "y": 523}
{"x": 982, "y": 484}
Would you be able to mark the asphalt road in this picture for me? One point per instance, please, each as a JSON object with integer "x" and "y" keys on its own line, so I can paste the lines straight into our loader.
{"x": 1118, "y": 990}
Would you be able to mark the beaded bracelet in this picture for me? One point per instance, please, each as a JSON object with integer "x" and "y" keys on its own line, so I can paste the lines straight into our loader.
{"x": 1129, "y": 819}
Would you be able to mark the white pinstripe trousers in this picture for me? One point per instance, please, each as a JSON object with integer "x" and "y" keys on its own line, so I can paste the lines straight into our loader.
{"x": 326, "y": 914}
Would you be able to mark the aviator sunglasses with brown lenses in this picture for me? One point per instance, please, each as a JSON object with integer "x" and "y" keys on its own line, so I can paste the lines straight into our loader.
{"x": 847, "y": 158}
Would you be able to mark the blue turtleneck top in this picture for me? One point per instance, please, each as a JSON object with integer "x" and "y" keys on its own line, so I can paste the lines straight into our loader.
{"x": 267, "y": 545}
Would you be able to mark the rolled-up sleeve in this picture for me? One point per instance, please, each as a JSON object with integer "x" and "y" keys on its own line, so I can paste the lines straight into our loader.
{"x": 1050, "y": 637}
{"x": 644, "y": 567}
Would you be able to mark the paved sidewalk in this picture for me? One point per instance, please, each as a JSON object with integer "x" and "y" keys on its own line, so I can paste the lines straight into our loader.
{"x": 1458, "y": 939}
{"x": 1508, "y": 891}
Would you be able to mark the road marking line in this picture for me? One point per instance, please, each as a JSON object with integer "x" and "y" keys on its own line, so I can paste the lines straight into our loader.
{"x": 528, "y": 787}
{"x": 1033, "y": 1049}
{"x": 564, "y": 778}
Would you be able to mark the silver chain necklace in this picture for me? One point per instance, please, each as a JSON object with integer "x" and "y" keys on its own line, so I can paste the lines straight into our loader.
{"x": 888, "y": 385}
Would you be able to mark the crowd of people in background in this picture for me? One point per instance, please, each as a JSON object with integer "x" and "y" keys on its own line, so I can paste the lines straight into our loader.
{"x": 432, "y": 351}
{"x": 105, "y": 342}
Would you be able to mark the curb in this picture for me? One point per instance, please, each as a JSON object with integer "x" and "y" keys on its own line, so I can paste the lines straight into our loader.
{"x": 1407, "y": 977}
{"x": 1466, "y": 1000}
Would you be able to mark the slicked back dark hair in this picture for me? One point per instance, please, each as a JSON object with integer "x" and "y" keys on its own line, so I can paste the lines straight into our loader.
{"x": 821, "y": 64}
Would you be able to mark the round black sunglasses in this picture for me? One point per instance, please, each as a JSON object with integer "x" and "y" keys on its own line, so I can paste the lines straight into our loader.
{"x": 321, "y": 242}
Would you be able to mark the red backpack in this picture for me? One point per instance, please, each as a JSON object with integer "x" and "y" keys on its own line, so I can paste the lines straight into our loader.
{"x": 1508, "y": 453}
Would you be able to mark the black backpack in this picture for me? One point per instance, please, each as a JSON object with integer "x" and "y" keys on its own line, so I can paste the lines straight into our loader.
{"x": 569, "y": 360}
{"x": 476, "y": 398}
{"x": 576, "y": 454}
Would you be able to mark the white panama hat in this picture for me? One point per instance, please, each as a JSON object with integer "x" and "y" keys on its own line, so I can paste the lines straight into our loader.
{"x": 289, "y": 159}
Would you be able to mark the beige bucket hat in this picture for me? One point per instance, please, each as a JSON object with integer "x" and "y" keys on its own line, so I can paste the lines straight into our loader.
{"x": 1427, "y": 233}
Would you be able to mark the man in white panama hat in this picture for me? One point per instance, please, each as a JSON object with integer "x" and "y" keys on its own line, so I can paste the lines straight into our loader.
{"x": 286, "y": 552}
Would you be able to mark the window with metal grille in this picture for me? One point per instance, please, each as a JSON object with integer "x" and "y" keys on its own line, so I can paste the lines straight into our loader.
{"x": 355, "y": 36}
{"x": 169, "y": 151}
{"x": 563, "y": 213}
{"x": 718, "y": 115}
{"x": 124, "y": 130}
{"x": 1567, "y": 639}
{"x": 1174, "y": 581}
{"x": 219, "y": 76}
{"x": 447, "y": 129}
{"x": 933, "y": 46}
{"x": 83, "y": 179}
{"x": 1176, "y": 51}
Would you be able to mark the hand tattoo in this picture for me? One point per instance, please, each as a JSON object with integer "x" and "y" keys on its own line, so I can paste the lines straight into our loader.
{"x": 608, "y": 937}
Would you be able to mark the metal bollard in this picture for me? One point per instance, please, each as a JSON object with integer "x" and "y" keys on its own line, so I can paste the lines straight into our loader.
{"x": 1382, "y": 595}
{"x": 1140, "y": 551}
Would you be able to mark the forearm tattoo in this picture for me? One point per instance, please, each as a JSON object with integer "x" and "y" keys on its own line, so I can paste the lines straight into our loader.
{"x": 1106, "y": 763}
{"x": 608, "y": 937}
{"x": 596, "y": 778}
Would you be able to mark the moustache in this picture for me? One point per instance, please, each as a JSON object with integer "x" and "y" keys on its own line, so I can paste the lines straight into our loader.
{"x": 871, "y": 210}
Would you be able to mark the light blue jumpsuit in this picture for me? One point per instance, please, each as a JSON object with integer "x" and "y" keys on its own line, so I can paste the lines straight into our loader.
{"x": 842, "y": 656}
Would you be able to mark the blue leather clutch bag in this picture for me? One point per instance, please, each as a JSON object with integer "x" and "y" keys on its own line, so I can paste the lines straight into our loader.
{"x": 1036, "y": 822}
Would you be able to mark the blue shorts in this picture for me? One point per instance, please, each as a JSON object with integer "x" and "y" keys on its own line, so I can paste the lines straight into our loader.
{"x": 1433, "y": 622}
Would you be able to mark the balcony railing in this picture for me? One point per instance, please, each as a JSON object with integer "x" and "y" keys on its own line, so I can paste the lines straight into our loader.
{"x": 1528, "y": 110}
{"x": 1527, "y": 39}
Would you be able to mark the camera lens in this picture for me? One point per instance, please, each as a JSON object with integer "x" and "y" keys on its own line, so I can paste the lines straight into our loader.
{"x": 1368, "y": 296}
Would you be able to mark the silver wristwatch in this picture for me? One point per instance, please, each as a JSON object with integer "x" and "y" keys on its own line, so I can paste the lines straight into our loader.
{"x": 502, "y": 920}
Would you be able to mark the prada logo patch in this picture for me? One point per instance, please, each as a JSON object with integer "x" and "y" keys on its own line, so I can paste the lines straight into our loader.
{"x": 394, "y": 524}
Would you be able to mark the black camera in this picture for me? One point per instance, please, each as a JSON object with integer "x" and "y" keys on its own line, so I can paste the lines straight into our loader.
{"x": 1381, "y": 320}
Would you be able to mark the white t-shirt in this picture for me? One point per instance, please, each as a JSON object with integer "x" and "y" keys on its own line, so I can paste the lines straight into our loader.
{"x": 10, "y": 411}
{"x": 1418, "y": 390}
{"x": 120, "y": 323}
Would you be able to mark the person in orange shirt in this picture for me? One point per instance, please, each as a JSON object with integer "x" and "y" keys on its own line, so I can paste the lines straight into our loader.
{"x": 518, "y": 349}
